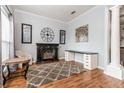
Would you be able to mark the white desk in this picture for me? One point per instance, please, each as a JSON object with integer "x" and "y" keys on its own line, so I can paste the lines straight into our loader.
{"x": 89, "y": 59}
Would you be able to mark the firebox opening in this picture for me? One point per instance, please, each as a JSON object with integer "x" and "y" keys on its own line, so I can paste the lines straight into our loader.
{"x": 47, "y": 52}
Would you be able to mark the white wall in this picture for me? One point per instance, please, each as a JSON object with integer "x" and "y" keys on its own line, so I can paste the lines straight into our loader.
{"x": 95, "y": 18}
{"x": 38, "y": 23}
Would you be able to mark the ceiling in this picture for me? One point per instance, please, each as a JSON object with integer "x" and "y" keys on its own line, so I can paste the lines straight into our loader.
{"x": 58, "y": 12}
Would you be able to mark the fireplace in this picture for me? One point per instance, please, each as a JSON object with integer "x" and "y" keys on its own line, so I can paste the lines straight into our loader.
{"x": 47, "y": 52}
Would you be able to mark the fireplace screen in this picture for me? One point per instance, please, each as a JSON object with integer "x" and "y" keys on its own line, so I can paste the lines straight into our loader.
{"x": 48, "y": 54}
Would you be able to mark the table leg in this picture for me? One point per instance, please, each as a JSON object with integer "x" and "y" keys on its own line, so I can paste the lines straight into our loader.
{"x": 4, "y": 79}
{"x": 26, "y": 70}
{"x": 8, "y": 70}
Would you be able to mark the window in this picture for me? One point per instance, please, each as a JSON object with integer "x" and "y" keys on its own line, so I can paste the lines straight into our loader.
{"x": 5, "y": 35}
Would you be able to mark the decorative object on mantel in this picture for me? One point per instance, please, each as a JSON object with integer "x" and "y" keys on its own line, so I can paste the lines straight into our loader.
{"x": 82, "y": 34}
{"x": 62, "y": 36}
{"x": 47, "y": 34}
{"x": 26, "y": 33}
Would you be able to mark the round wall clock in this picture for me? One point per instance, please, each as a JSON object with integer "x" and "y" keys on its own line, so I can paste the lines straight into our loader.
{"x": 47, "y": 34}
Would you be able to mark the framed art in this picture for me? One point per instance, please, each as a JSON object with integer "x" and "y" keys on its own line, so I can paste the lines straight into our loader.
{"x": 26, "y": 33}
{"x": 62, "y": 36}
{"x": 82, "y": 33}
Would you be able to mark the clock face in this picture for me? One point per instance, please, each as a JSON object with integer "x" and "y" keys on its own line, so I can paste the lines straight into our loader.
{"x": 47, "y": 34}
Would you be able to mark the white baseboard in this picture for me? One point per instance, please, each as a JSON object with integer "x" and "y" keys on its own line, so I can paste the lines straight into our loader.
{"x": 62, "y": 58}
{"x": 100, "y": 67}
{"x": 116, "y": 72}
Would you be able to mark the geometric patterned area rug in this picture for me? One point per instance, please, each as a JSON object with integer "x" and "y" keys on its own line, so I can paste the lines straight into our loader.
{"x": 49, "y": 72}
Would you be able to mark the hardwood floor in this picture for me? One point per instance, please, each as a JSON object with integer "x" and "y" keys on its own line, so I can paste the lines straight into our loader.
{"x": 90, "y": 79}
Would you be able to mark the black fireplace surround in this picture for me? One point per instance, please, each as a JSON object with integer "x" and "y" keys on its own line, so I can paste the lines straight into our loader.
{"x": 42, "y": 48}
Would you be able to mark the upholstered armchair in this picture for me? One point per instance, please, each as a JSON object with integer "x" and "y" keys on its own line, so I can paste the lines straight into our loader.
{"x": 20, "y": 54}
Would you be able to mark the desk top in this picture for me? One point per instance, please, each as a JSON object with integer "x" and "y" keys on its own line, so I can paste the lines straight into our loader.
{"x": 82, "y": 52}
{"x": 16, "y": 61}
